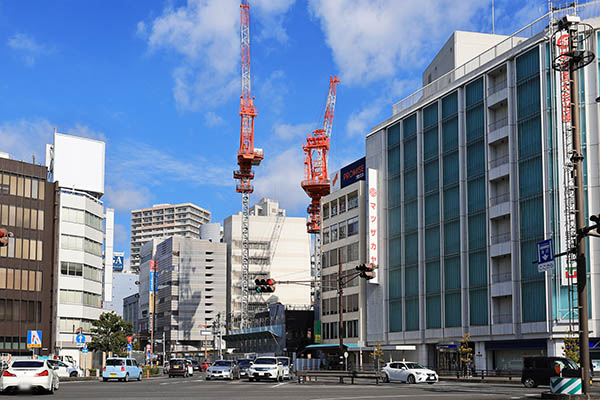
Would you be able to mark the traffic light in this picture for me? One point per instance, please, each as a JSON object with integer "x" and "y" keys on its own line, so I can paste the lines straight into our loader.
{"x": 596, "y": 219}
{"x": 4, "y": 235}
{"x": 367, "y": 271}
{"x": 265, "y": 285}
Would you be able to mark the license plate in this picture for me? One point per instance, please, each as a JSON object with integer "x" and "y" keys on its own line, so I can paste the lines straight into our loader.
{"x": 24, "y": 386}
{"x": 113, "y": 374}
{"x": 176, "y": 367}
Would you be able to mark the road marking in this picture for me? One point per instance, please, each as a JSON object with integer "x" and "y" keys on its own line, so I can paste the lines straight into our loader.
{"x": 395, "y": 396}
{"x": 279, "y": 384}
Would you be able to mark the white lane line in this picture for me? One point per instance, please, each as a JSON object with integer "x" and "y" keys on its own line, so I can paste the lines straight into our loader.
{"x": 279, "y": 384}
{"x": 395, "y": 396}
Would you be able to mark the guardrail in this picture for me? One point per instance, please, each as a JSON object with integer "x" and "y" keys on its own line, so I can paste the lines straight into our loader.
{"x": 502, "y": 277}
{"x": 306, "y": 375}
{"x": 499, "y": 123}
{"x": 501, "y": 198}
{"x": 497, "y": 86}
{"x": 501, "y": 238}
{"x": 498, "y": 161}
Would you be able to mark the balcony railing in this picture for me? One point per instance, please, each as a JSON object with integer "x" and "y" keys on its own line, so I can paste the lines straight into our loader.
{"x": 497, "y": 86}
{"x": 498, "y": 161}
{"x": 503, "y": 318}
{"x": 501, "y": 198}
{"x": 502, "y": 277}
{"x": 501, "y": 238}
{"x": 497, "y": 124}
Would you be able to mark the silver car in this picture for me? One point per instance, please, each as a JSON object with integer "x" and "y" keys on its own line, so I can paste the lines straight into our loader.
{"x": 223, "y": 369}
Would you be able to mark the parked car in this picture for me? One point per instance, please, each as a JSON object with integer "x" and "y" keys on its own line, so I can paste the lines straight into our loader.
{"x": 538, "y": 370}
{"x": 25, "y": 375}
{"x": 178, "y": 367}
{"x": 265, "y": 368}
{"x": 287, "y": 367}
{"x": 64, "y": 370}
{"x": 190, "y": 367}
{"x": 205, "y": 365}
{"x": 196, "y": 365}
{"x": 243, "y": 365}
{"x": 122, "y": 369}
{"x": 166, "y": 368}
{"x": 223, "y": 369}
{"x": 409, "y": 372}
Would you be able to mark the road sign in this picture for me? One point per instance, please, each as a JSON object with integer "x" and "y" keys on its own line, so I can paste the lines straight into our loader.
{"x": 545, "y": 252}
{"x": 80, "y": 338}
{"x": 206, "y": 333}
{"x": 345, "y": 354}
{"x": 129, "y": 347}
{"x": 129, "y": 339}
{"x": 84, "y": 349}
{"x": 34, "y": 339}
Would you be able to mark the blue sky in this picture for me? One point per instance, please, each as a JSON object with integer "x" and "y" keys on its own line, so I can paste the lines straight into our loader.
{"x": 159, "y": 82}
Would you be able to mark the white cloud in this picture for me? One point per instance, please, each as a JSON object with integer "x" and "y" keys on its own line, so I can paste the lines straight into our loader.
{"x": 373, "y": 39}
{"x": 212, "y": 119}
{"x": 124, "y": 198}
{"x": 205, "y": 34}
{"x": 279, "y": 178}
{"x": 28, "y": 47}
{"x": 271, "y": 15}
{"x": 360, "y": 122}
{"x": 121, "y": 242}
{"x": 273, "y": 91}
{"x": 24, "y": 138}
{"x": 290, "y": 132}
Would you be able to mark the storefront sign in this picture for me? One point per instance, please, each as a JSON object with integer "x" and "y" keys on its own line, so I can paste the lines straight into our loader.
{"x": 353, "y": 173}
{"x": 373, "y": 223}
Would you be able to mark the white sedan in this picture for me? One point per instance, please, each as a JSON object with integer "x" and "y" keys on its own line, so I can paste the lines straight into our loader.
{"x": 25, "y": 375}
{"x": 409, "y": 372}
{"x": 65, "y": 370}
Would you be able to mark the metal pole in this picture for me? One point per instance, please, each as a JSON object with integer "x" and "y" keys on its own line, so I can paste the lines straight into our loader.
{"x": 577, "y": 158}
{"x": 164, "y": 347}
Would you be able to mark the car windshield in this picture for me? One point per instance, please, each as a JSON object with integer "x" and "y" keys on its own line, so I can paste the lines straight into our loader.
{"x": 244, "y": 363}
{"x": 284, "y": 361}
{"x": 265, "y": 361}
{"x": 222, "y": 363}
{"x": 414, "y": 366}
{"x": 176, "y": 362}
{"x": 28, "y": 364}
{"x": 114, "y": 362}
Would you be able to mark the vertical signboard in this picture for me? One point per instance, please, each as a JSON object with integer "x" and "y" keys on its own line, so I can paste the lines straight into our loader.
{"x": 373, "y": 222}
{"x": 152, "y": 286}
{"x": 34, "y": 339}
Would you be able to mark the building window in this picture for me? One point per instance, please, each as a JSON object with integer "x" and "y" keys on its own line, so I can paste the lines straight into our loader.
{"x": 325, "y": 236}
{"x": 334, "y": 208}
{"x": 352, "y": 251}
{"x": 342, "y": 204}
{"x": 333, "y": 230}
{"x": 342, "y": 230}
{"x": 352, "y": 200}
{"x": 352, "y": 226}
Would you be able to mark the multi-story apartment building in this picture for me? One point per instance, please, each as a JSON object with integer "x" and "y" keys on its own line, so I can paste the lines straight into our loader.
{"x": 28, "y": 275}
{"x": 164, "y": 220}
{"x": 77, "y": 165}
{"x": 470, "y": 178}
{"x": 131, "y": 309}
{"x": 190, "y": 291}
{"x": 343, "y": 232}
{"x": 279, "y": 249}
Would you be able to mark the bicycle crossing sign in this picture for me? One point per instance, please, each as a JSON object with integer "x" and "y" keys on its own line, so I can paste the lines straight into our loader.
{"x": 545, "y": 253}
{"x": 34, "y": 339}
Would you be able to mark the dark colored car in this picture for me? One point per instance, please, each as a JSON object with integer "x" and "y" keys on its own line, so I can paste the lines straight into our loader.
{"x": 196, "y": 365}
{"x": 538, "y": 370}
{"x": 178, "y": 367}
{"x": 243, "y": 365}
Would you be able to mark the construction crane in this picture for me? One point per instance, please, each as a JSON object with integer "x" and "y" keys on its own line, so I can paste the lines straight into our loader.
{"x": 247, "y": 155}
{"x": 316, "y": 179}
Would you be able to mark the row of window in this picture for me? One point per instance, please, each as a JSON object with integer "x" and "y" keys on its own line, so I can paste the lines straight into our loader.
{"x": 13, "y": 343}
{"x": 78, "y": 269}
{"x": 339, "y": 205}
{"x": 340, "y": 231}
{"x": 331, "y": 258}
{"x": 331, "y": 305}
{"x": 79, "y": 297}
{"x": 66, "y": 325}
{"x": 72, "y": 242}
{"x": 77, "y": 216}
{"x": 20, "y": 310}
{"x": 330, "y": 329}
{"x": 20, "y": 279}
{"x": 22, "y": 217}
{"x": 25, "y": 249}
{"x": 14, "y": 185}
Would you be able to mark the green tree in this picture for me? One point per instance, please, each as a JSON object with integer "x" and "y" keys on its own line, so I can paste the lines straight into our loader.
{"x": 571, "y": 348}
{"x": 109, "y": 334}
{"x": 466, "y": 352}
{"x": 377, "y": 353}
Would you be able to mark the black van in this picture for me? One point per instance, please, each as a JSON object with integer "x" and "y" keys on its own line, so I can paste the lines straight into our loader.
{"x": 539, "y": 370}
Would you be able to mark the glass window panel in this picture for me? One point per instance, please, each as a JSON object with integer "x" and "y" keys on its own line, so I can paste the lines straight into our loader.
{"x": 40, "y": 223}
{"x": 19, "y": 218}
{"x": 18, "y": 247}
{"x": 26, "y": 218}
{"x": 25, "y": 249}
{"x": 34, "y": 188}
{"x": 39, "y": 250}
{"x": 2, "y": 278}
{"x": 24, "y": 279}
{"x": 17, "y": 279}
{"x": 41, "y": 190}
{"x": 38, "y": 281}
{"x": 33, "y": 219}
{"x": 11, "y": 247}
{"x": 3, "y": 251}
{"x": 4, "y": 183}
{"x": 32, "y": 248}
{"x": 12, "y": 215}
{"x": 27, "y": 187}
{"x": 4, "y": 214}
{"x": 32, "y": 280}
{"x": 13, "y": 185}
{"x": 20, "y": 181}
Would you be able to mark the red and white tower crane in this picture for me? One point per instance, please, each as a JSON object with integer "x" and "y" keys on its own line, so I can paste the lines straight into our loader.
{"x": 316, "y": 178}
{"x": 247, "y": 155}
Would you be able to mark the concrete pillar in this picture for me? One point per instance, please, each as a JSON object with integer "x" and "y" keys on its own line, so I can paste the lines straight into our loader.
{"x": 480, "y": 356}
{"x": 555, "y": 348}
{"x": 422, "y": 354}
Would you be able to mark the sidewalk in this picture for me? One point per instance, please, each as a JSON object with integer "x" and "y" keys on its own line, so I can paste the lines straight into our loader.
{"x": 496, "y": 379}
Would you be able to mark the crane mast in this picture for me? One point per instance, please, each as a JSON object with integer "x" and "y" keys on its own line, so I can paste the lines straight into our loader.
{"x": 247, "y": 155}
{"x": 316, "y": 179}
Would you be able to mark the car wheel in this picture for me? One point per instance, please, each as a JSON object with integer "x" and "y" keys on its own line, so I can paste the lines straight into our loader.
{"x": 250, "y": 379}
{"x": 410, "y": 379}
{"x": 386, "y": 378}
{"x": 257, "y": 379}
{"x": 73, "y": 374}
{"x": 529, "y": 383}
{"x": 280, "y": 378}
{"x": 208, "y": 378}
{"x": 126, "y": 379}
{"x": 57, "y": 386}
{"x": 431, "y": 383}
{"x": 104, "y": 379}
{"x": 139, "y": 378}
{"x": 51, "y": 390}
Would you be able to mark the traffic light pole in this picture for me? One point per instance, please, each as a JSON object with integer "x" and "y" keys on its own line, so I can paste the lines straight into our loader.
{"x": 340, "y": 301}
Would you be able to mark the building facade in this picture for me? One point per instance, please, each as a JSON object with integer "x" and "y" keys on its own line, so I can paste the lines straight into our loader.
{"x": 131, "y": 309}
{"x": 279, "y": 249}
{"x": 343, "y": 231}
{"x": 28, "y": 274}
{"x": 164, "y": 220}
{"x": 470, "y": 178}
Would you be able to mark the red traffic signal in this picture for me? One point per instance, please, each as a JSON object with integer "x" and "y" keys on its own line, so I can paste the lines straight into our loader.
{"x": 265, "y": 285}
{"x": 4, "y": 235}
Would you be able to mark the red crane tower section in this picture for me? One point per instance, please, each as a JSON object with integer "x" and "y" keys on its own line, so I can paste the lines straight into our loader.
{"x": 247, "y": 155}
{"x": 316, "y": 151}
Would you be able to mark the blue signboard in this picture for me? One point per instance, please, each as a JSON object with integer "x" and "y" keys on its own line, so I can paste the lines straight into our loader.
{"x": 34, "y": 339}
{"x": 151, "y": 286}
{"x": 118, "y": 262}
{"x": 352, "y": 173}
{"x": 545, "y": 255}
{"x": 84, "y": 349}
{"x": 129, "y": 348}
{"x": 80, "y": 338}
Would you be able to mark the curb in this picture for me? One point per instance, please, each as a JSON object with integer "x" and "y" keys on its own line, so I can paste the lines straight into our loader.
{"x": 516, "y": 381}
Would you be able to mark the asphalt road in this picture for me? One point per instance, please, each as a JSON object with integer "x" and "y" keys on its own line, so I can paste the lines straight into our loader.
{"x": 196, "y": 388}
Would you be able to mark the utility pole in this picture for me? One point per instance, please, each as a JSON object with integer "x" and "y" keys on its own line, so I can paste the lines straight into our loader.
{"x": 340, "y": 301}
{"x": 164, "y": 347}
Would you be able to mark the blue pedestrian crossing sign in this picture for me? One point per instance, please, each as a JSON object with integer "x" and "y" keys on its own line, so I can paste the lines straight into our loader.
{"x": 34, "y": 339}
{"x": 80, "y": 338}
{"x": 84, "y": 349}
{"x": 545, "y": 252}
{"x": 129, "y": 348}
